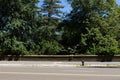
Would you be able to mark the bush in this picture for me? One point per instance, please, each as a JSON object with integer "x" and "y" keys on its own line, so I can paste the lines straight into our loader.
{"x": 106, "y": 46}
{"x": 13, "y": 47}
{"x": 49, "y": 47}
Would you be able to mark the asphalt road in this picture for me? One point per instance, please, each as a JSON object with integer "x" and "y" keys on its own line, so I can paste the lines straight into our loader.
{"x": 58, "y": 73}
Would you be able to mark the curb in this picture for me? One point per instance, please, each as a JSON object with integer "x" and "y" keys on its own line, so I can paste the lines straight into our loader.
{"x": 36, "y": 65}
{"x": 99, "y": 66}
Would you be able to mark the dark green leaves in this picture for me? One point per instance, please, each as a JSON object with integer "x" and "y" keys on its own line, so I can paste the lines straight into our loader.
{"x": 92, "y": 25}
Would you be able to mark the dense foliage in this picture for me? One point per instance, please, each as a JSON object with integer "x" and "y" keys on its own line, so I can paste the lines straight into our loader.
{"x": 92, "y": 27}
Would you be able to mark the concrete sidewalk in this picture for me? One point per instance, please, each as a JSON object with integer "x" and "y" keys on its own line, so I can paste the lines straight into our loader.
{"x": 59, "y": 64}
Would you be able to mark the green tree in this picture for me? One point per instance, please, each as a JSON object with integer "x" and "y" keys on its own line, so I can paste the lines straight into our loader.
{"x": 47, "y": 42}
{"x": 17, "y": 21}
{"x": 90, "y": 23}
{"x": 51, "y": 11}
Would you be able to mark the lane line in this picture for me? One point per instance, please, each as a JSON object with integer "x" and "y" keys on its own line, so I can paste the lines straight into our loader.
{"x": 58, "y": 74}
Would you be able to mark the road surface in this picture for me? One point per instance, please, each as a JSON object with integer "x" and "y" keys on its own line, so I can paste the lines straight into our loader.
{"x": 57, "y": 73}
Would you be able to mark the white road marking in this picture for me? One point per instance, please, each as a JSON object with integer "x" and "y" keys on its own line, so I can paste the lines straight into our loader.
{"x": 59, "y": 74}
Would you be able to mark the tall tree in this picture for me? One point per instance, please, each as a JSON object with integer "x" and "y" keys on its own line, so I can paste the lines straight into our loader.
{"x": 47, "y": 42}
{"x": 51, "y": 11}
{"x": 16, "y": 24}
{"x": 91, "y": 17}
